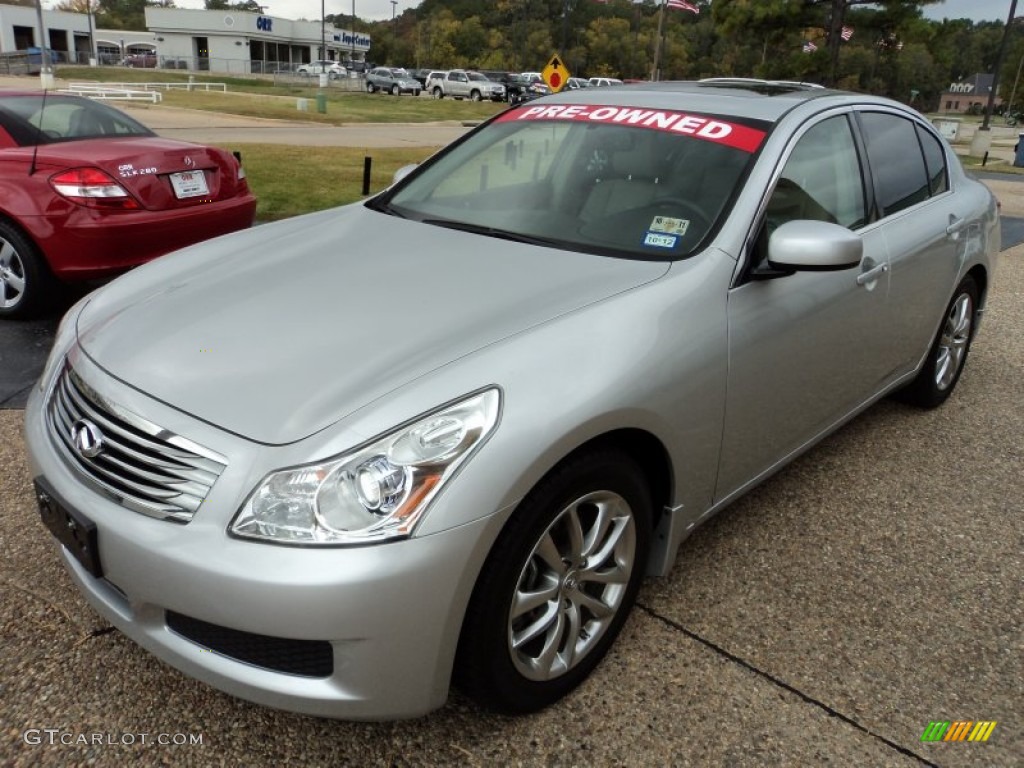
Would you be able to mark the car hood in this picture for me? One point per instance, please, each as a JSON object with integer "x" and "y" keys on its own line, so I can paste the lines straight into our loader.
{"x": 277, "y": 332}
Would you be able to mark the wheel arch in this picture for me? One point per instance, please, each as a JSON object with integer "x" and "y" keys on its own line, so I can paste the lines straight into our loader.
{"x": 980, "y": 276}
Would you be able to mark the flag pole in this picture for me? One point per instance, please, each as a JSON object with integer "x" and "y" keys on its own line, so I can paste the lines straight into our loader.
{"x": 655, "y": 73}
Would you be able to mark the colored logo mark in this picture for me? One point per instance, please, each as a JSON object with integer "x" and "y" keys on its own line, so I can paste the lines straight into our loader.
{"x": 958, "y": 730}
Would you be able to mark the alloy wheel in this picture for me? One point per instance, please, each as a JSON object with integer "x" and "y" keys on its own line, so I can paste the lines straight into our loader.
{"x": 12, "y": 276}
{"x": 572, "y": 585}
{"x": 956, "y": 335}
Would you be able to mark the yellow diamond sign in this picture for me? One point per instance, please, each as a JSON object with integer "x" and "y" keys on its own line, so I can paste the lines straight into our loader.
{"x": 555, "y": 74}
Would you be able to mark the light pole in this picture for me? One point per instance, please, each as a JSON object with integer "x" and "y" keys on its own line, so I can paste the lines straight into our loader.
{"x": 45, "y": 70}
{"x": 92, "y": 39}
{"x": 323, "y": 31}
{"x": 352, "y": 32}
{"x": 983, "y": 136}
{"x": 394, "y": 33}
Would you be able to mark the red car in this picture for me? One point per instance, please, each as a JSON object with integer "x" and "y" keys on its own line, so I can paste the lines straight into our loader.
{"x": 87, "y": 192}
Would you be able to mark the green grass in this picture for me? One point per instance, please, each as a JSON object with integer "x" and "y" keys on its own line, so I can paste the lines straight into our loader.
{"x": 289, "y": 180}
{"x": 259, "y": 97}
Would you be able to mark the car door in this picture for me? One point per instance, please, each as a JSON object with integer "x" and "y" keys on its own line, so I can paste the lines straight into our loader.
{"x": 925, "y": 227}
{"x": 803, "y": 346}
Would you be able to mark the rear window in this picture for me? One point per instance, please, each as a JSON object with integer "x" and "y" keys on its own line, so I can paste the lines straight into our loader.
{"x": 637, "y": 183}
{"x": 33, "y": 119}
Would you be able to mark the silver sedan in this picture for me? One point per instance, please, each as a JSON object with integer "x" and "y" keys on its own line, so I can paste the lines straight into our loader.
{"x": 336, "y": 463}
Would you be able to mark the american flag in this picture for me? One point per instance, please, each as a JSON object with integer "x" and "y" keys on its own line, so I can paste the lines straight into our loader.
{"x": 682, "y": 5}
{"x": 846, "y": 33}
{"x": 810, "y": 47}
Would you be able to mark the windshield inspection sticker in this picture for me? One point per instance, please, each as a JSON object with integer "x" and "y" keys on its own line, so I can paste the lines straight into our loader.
{"x": 660, "y": 241}
{"x": 669, "y": 226}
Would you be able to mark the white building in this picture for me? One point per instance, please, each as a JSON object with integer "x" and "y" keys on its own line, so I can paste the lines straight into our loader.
{"x": 242, "y": 42}
{"x": 67, "y": 34}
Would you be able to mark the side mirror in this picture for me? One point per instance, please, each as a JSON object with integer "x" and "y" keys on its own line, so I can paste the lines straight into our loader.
{"x": 402, "y": 172}
{"x": 814, "y": 245}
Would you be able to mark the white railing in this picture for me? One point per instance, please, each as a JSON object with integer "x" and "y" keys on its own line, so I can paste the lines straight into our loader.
{"x": 181, "y": 85}
{"x": 104, "y": 92}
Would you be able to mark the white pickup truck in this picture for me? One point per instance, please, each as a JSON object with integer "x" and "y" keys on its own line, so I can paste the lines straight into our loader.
{"x": 464, "y": 84}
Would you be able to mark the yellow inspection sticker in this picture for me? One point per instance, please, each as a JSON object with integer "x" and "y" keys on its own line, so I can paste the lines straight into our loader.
{"x": 669, "y": 225}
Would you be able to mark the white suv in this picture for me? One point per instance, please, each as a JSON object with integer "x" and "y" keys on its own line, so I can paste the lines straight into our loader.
{"x": 331, "y": 68}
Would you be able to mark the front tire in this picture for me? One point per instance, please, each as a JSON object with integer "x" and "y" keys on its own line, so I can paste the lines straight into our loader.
{"x": 948, "y": 354}
{"x": 26, "y": 285}
{"x": 475, "y": 96}
{"x": 395, "y": 90}
{"x": 558, "y": 584}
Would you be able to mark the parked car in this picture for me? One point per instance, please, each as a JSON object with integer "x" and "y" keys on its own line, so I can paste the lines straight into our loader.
{"x": 89, "y": 192}
{"x": 531, "y": 90}
{"x": 392, "y": 80}
{"x": 575, "y": 83}
{"x": 420, "y": 75}
{"x": 140, "y": 60}
{"x": 600, "y": 82}
{"x": 464, "y": 84}
{"x": 494, "y": 397}
{"x": 332, "y": 69}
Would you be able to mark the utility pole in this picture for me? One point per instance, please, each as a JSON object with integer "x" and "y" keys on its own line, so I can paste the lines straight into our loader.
{"x": 655, "y": 72}
{"x": 983, "y": 136}
{"x": 45, "y": 67}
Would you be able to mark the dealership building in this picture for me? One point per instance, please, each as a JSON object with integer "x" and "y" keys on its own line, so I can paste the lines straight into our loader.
{"x": 67, "y": 33}
{"x": 238, "y": 41}
{"x": 220, "y": 41}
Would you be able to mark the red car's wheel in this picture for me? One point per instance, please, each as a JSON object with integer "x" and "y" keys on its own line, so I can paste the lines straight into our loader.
{"x": 26, "y": 285}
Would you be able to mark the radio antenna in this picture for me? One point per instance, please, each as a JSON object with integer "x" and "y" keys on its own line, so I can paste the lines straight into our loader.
{"x": 39, "y": 135}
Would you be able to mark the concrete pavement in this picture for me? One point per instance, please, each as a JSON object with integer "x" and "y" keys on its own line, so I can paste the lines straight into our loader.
{"x": 217, "y": 128}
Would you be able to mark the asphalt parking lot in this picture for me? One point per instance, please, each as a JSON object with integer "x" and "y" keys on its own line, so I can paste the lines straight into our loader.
{"x": 826, "y": 618}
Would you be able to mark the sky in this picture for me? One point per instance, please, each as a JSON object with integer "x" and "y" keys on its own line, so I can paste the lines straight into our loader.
{"x": 977, "y": 10}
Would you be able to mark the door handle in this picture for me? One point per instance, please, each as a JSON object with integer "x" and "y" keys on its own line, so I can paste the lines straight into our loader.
{"x": 872, "y": 274}
{"x": 955, "y": 226}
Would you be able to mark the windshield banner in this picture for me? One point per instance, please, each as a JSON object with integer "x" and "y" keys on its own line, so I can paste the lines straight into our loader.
{"x": 731, "y": 134}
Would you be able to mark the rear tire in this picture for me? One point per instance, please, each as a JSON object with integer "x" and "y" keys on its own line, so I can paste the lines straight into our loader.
{"x": 948, "y": 355}
{"x": 371, "y": 88}
{"x": 27, "y": 287}
{"x": 438, "y": 93}
{"x": 558, "y": 584}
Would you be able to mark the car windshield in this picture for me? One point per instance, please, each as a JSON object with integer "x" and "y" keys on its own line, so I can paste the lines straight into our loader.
{"x": 34, "y": 120}
{"x": 577, "y": 177}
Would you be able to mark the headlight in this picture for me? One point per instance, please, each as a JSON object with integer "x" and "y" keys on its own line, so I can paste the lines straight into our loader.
{"x": 374, "y": 493}
{"x": 62, "y": 341}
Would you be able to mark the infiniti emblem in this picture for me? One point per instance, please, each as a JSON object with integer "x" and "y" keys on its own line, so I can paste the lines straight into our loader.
{"x": 87, "y": 438}
{"x": 189, "y": 162}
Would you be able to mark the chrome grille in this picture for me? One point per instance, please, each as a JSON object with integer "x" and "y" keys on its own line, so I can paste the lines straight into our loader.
{"x": 142, "y": 466}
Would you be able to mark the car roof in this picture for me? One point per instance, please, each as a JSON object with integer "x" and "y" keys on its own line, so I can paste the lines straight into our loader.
{"x": 756, "y": 99}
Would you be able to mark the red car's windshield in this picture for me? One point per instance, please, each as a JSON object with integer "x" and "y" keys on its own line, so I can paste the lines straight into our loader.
{"x": 33, "y": 119}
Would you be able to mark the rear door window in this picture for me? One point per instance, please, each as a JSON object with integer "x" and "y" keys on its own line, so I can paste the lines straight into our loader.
{"x": 897, "y": 162}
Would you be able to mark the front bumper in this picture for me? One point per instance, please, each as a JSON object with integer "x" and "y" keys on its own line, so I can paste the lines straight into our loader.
{"x": 389, "y": 615}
